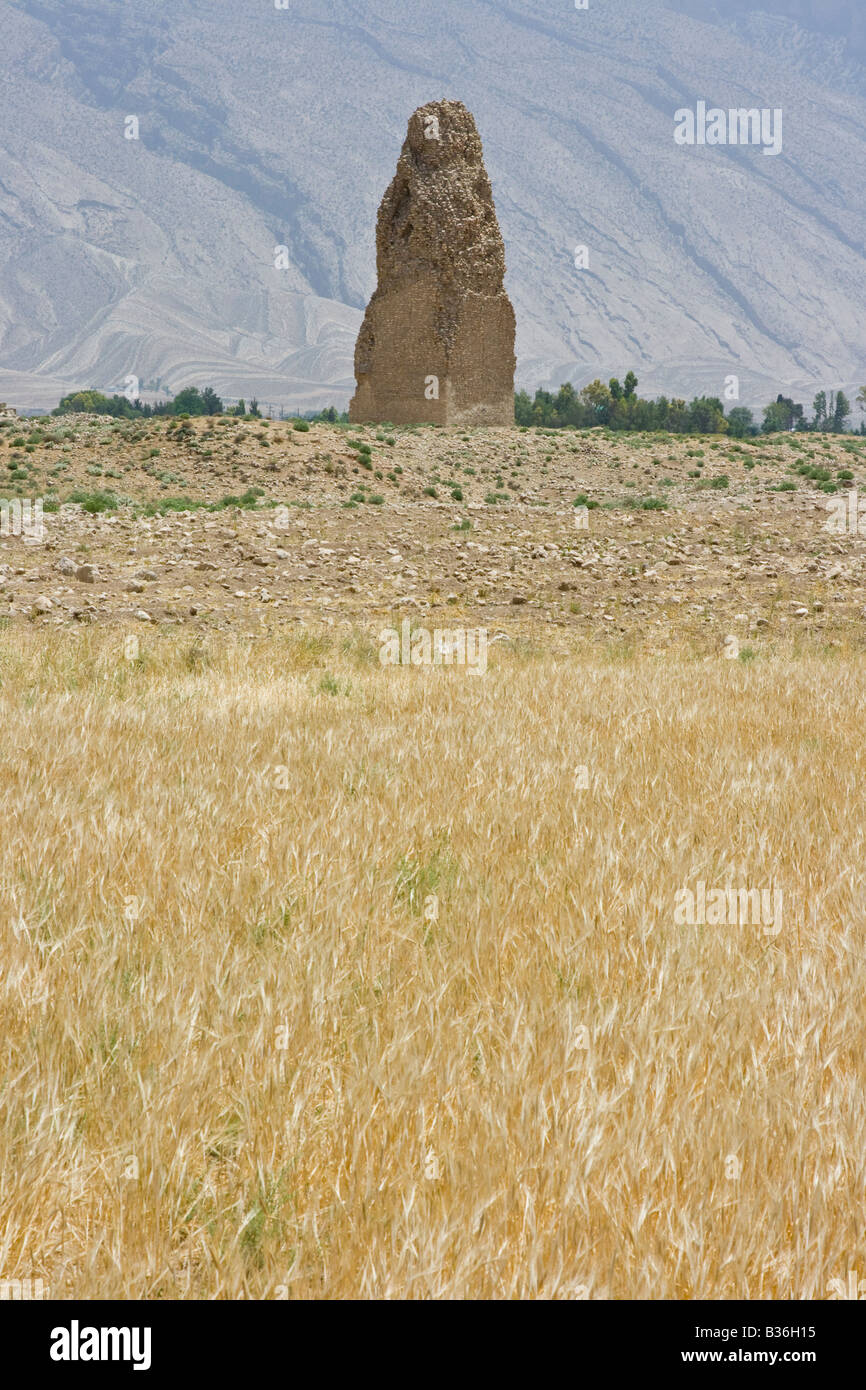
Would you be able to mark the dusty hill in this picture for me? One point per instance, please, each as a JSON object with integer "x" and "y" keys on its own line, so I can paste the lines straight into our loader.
{"x": 255, "y": 523}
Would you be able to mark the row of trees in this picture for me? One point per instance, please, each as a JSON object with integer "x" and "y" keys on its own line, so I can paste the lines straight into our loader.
{"x": 189, "y": 401}
{"x": 831, "y": 412}
{"x": 618, "y": 406}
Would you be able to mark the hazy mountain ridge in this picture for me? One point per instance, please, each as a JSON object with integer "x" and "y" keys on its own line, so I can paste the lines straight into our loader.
{"x": 156, "y": 257}
{"x": 826, "y": 19}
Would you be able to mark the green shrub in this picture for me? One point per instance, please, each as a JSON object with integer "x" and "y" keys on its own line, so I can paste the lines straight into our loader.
{"x": 94, "y": 502}
{"x": 172, "y": 504}
{"x": 247, "y": 499}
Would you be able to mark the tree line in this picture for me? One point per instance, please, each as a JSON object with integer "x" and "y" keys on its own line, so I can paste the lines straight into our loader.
{"x": 189, "y": 401}
{"x": 618, "y": 406}
{"x": 615, "y": 405}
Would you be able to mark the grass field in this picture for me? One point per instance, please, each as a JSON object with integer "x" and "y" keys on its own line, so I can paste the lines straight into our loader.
{"x": 324, "y": 979}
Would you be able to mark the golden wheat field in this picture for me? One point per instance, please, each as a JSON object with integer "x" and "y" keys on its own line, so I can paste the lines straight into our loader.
{"x": 324, "y": 979}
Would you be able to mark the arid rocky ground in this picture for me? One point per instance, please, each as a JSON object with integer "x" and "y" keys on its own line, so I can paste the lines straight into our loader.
{"x": 693, "y": 538}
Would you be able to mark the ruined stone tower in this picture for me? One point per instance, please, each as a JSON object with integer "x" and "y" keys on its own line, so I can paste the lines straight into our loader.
{"x": 437, "y": 341}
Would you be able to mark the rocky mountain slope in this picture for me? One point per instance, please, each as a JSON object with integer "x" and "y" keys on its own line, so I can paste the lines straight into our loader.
{"x": 264, "y": 128}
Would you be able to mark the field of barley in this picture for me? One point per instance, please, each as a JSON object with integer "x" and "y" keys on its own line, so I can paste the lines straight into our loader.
{"x": 321, "y": 979}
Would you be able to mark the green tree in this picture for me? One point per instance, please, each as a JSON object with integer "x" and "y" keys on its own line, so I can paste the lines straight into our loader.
{"x": 564, "y": 403}
{"x": 741, "y": 422}
{"x": 675, "y": 416}
{"x": 707, "y": 415}
{"x": 775, "y": 418}
{"x": 94, "y": 402}
{"x": 596, "y": 396}
{"x": 188, "y": 402}
{"x": 841, "y": 412}
{"x": 819, "y": 407}
{"x": 643, "y": 415}
{"x": 630, "y": 385}
{"x": 782, "y": 414}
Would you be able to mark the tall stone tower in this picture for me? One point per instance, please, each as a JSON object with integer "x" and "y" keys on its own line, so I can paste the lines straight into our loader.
{"x": 437, "y": 341}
